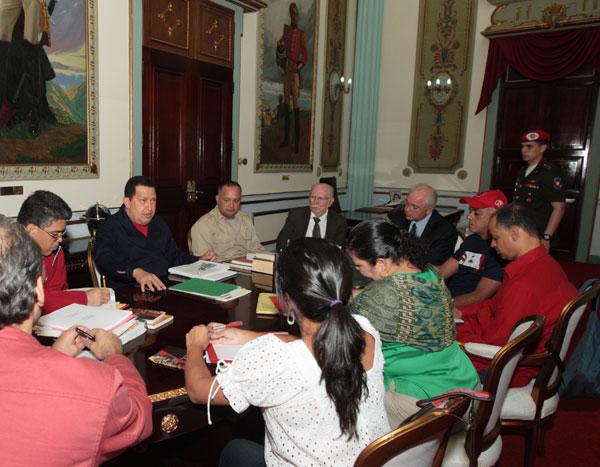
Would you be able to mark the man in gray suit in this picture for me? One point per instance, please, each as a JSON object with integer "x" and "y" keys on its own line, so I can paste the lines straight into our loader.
{"x": 315, "y": 220}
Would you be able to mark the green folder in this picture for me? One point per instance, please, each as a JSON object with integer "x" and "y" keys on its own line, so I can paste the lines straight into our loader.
{"x": 204, "y": 287}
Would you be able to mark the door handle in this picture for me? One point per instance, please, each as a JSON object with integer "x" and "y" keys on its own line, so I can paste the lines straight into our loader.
{"x": 191, "y": 194}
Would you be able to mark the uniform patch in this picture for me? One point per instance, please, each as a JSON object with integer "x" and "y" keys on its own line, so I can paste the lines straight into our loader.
{"x": 557, "y": 183}
{"x": 472, "y": 260}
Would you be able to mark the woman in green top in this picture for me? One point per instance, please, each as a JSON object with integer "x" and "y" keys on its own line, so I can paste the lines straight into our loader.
{"x": 410, "y": 306}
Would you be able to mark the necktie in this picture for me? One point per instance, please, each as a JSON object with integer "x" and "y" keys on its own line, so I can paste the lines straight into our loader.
{"x": 413, "y": 229}
{"x": 316, "y": 229}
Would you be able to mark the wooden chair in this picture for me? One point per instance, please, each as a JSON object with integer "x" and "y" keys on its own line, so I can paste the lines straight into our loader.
{"x": 94, "y": 273}
{"x": 531, "y": 407}
{"x": 480, "y": 442}
{"x": 418, "y": 443}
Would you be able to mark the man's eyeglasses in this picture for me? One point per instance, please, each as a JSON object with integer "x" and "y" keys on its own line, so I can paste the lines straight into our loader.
{"x": 55, "y": 235}
{"x": 317, "y": 198}
{"x": 414, "y": 207}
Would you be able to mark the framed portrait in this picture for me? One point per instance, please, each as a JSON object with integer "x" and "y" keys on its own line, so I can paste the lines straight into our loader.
{"x": 287, "y": 49}
{"x": 48, "y": 91}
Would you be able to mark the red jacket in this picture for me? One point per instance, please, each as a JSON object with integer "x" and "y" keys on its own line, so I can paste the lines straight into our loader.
{"x": 534, "y": 284}
{"x": 55, "y": 285}
{"x": 59, "y": 410}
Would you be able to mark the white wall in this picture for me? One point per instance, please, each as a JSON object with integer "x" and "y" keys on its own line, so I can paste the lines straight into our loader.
{"x": 113, "y": 108}
{"x": 400, "y": 27}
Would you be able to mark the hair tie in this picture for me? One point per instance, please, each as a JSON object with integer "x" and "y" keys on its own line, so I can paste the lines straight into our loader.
{"x": 334, "y": 303}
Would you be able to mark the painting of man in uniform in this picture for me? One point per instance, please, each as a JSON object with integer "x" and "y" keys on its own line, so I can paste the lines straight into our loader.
{"x": 43, "y": 99}
{"x": 286, "y": 103}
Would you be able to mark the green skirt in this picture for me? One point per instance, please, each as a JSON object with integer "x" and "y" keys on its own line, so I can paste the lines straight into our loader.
{"x": 423, "y": 374}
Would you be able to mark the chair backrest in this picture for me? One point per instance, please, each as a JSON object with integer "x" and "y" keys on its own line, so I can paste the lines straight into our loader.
{"x": 189, "y": 241}
{"x": 502, "y": 367}
{"x": 416, "y": 443}
{"x": 548, "y": 380}
{"x": 94, "y": 273}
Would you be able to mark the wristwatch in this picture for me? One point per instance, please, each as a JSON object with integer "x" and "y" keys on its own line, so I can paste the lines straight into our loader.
{"x": 547, "y": 237}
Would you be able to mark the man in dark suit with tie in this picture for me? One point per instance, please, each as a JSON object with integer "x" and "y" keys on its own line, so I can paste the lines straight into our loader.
{"x": 420, "y": 217}
{"x": 315, "y": 220}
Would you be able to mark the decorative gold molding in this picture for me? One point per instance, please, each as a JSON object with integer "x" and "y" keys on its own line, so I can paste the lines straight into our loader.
{"x": 163, "y": 396}
{"x": 522, "y": 17}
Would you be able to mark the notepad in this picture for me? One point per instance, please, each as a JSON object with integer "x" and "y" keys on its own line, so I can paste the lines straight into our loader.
{"x": 225, "y": 352}
{"x": 203, "y": 270}
{"x": 53, "y": 324}
{"x": 267, "y": 304}
{"x": 209, "y": 289}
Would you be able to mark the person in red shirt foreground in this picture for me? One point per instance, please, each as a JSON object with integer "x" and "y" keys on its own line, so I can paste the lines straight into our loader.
{"x": 56, "y": 409}
{"x": 534, "y": 283}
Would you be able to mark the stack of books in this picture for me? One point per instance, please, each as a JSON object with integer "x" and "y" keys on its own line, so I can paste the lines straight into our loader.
{"x": 264, "y": 263}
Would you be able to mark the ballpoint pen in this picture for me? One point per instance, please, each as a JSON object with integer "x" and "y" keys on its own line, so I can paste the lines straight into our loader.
{"x": 85, "y": 334}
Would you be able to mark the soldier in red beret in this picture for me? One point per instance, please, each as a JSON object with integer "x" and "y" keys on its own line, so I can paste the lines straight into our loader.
{"x": 539, "y": 185}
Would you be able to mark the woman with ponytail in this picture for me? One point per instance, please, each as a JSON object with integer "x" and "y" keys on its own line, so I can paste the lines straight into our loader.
{"x": 410, "y": 306}
{"x": 321, "y": 394}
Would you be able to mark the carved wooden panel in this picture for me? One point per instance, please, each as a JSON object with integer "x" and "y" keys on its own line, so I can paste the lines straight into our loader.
{"x": 215, "y": 34}
{"x": 167, "y": 25}
{"x": 197, "y": 29}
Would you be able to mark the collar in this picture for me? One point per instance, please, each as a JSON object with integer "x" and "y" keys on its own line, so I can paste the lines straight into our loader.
{"x": 322, "y": 218}
{"x": 128, "y": 223}
{"x": 222, "y": 217}
{"x": 513, "y": 268}
{"x": 421, "y": 224}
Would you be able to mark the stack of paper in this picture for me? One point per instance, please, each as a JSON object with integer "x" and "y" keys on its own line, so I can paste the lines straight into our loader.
{"x": 214, "y": 290}
{"x": 55, "y": 323}
{"x": 203, "y": 270}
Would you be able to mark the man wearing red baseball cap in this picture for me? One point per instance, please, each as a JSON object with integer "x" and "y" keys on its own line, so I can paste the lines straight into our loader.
{"x": 475, "y": 271}
{"x": 539, "y": 185}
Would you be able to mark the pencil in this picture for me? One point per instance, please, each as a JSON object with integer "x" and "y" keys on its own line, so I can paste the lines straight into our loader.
{"x": 103, "y": 281}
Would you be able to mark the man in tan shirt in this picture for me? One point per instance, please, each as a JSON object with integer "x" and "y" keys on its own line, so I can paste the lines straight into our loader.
{"x": 225, "y": 232}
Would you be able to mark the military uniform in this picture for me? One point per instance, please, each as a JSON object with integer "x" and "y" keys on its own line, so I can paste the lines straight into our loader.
{"x": 543, "y": 186}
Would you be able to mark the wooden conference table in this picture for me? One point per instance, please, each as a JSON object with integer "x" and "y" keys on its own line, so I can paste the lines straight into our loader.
{"x": 173, "y": 413}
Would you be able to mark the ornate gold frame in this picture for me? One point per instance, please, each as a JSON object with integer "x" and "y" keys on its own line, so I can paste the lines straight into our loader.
{"x": 89, "y": 169}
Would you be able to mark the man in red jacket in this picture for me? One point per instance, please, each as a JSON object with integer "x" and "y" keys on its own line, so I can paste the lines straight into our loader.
{"x": 44, "y": 215}
{"x": 534, "y": 284}
{"x": 56, "y": 409}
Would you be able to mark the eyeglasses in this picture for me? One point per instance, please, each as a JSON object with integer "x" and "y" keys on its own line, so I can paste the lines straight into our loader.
{"x": 55, "y": 236}
{"x": 318, "y": 198}
{"x": 414, "y": 207}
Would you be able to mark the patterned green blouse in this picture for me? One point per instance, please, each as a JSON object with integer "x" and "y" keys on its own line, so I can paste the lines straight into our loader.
{"x": 411, "y": 309}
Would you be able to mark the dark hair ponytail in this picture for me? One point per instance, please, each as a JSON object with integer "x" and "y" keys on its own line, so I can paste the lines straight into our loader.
{"x": 379, "y": 238}
{"x": 314, "y": 274}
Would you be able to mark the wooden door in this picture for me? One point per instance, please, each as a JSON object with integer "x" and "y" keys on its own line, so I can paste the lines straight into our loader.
{"x": 565, "y": 108}
{"x": 187, "y": 135}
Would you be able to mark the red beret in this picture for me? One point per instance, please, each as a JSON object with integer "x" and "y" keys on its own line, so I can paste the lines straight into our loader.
{"x": 535, "y": 135}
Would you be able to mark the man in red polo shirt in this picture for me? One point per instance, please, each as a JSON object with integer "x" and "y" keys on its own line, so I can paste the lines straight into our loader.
{"x": 534, "y": 283}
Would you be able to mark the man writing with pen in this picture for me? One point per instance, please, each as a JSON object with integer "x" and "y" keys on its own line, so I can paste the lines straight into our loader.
{"x": 44, "y": 215}
{"x": 62, "y": 410}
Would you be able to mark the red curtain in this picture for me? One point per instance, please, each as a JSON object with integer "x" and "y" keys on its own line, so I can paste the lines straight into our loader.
{"x": 541, "y": 57}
